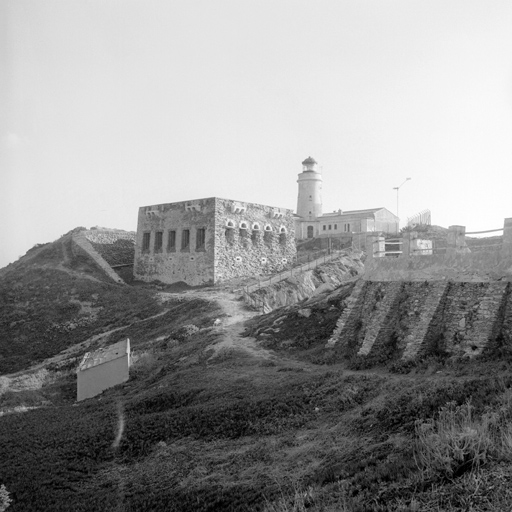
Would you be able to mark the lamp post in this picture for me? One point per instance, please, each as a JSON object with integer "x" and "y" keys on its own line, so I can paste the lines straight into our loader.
{"x": 397, "y": 189}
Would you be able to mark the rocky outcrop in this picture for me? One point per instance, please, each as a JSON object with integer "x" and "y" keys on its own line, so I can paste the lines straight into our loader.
{"x": 299, "y": 286}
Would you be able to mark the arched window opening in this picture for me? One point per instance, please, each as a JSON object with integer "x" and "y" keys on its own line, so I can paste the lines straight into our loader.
{"x": 230, "y": 235}
{"x": 243, "y": 231}
{"x": 282, "y": 238}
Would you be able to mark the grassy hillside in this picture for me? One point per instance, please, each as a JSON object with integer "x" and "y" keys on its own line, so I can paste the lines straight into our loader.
{"x": 232, "y": 430}
{"x": 53, "y": 298}
{"x": 238, "y": 432}
{"x": 271, "y": 425}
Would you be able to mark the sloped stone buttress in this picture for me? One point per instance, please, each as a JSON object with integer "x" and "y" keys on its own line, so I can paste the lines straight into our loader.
{"x": 426, "y": 307}
{"x": 380, "y": 327}
{"x": 349, "y": 314}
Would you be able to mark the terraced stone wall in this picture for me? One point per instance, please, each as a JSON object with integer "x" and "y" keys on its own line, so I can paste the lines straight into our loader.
{"x": 404, "y": 320}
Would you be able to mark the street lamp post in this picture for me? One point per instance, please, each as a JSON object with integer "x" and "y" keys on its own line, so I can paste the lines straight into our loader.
{"x": 397, "y": 189}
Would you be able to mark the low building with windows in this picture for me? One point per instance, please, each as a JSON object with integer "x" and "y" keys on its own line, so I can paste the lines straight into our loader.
{"x": 206, "y": 241}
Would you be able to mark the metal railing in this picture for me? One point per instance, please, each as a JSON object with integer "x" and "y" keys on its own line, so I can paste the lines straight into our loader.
{"x": 390, "y": 241}
{"x": 293, "y": 270}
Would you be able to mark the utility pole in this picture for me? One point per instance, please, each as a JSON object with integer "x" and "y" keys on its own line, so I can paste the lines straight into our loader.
{"x": 397, "y": 189}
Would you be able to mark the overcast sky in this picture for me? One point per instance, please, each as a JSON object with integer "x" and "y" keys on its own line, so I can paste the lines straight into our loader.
{"x": 108, "y": 105}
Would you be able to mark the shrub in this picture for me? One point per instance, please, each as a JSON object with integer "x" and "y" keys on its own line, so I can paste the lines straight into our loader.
{"x": 5, "y": 500}
{"x": 184, "y": 332}
{"x": 455, "y": 442}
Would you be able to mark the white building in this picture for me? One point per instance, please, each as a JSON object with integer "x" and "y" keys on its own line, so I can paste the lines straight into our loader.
{"x": 311, "y": 222}
{"x": 103, "y": 369}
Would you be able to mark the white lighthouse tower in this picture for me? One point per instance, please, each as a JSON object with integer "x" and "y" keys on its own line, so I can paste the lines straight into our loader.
{"x": 309, "y": 202}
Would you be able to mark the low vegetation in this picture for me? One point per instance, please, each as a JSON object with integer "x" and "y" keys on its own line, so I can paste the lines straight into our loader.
{"x": 287, "y": 429}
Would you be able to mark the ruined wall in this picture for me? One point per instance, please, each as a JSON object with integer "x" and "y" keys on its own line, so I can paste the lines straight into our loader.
{"x": 108, "y": 236}
{"x": 385, "y": 321}
{"x": 116, "y": 246}
{"x": 251, "y": 239}
{"x": 177, "y": 262}
{"x": 81, "y": 244}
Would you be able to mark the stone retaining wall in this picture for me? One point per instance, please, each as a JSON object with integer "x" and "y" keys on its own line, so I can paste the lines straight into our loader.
{"x": 81, "y": 243}
{"x": 404, "y": 320}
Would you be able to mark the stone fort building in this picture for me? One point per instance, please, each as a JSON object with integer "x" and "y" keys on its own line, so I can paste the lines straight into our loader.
{"x": 206, "y": 241}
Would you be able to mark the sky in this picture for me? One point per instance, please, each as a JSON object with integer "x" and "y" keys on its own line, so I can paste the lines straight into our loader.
{"x": 109, "y": 105}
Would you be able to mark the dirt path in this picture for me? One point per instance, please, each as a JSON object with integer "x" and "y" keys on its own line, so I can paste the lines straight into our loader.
{"x": 231, "y": 325}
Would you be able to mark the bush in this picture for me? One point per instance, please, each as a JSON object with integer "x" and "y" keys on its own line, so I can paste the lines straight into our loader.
{"x": 5, "y": 500}
{"x": 455, "y": 442}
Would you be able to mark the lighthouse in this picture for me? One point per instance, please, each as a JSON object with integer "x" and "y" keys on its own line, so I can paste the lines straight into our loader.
{"x": 309, "y": 201}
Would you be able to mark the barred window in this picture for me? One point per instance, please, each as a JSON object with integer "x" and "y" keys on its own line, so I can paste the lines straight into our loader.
{"x": 185, "y": 240}
{"x": 159, "y": 235}
{"x": 200, "y": 239}
{"x": 171, "y": 241}
{"x": 145, "y": 242}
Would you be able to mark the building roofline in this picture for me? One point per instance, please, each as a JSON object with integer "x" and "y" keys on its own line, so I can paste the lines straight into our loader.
{"x": 214, "y": 198}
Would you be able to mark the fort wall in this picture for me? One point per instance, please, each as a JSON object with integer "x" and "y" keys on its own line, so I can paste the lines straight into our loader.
{"x": 207, "y": 241}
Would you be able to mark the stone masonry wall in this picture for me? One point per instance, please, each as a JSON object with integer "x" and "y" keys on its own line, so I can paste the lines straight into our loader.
{"x": 470, "y": 315}
{"x": 80, "y": 243}
{"x": 242, "y": 239}
{"x": 117, "y": 247}
{"x": 393, "y": 320}
{"x": 172, "y": 265}
{"x": 425, "y": 309}
{"x": 244, "y": 247}
{"x": 108, "y": 236}
{"x": 380, "y": 326}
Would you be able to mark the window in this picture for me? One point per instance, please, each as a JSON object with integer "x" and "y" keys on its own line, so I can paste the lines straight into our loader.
{"x": 171, "y": 241}
{"x": 159, "y": 235}
{"x": 200, "y": 239}
{"x": 282, "y": 238}
{"x": 310, "y": 231}
{"x": 330, "y": 226}
{"x": 324, "y": 227}
{"x": 230, "y": 235}
{"x": 335, "y": 226}
{"x": 347, "y": 227}
{"x": 145, "y": 242}
{"x": 243, "y": 233}
{"x": 267, "y": 235}
{"x": 185, "y": 240}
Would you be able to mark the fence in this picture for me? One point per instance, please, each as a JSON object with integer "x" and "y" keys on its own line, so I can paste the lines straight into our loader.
{"x": 456, "y": 241}
{"x": 298, "y": 268}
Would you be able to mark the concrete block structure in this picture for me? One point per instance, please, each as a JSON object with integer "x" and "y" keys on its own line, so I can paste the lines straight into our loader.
{"x": 103, "y": 369}
{"x": 207, "y": 241}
